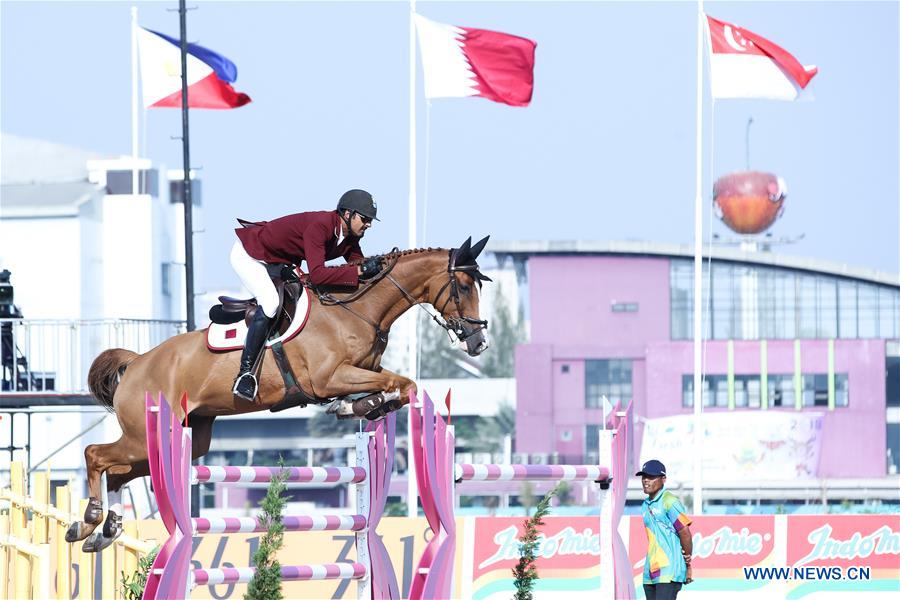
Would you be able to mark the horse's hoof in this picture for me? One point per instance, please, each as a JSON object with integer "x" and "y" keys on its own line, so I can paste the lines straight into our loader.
{"x": 342, "y": 408}
{"x": 98, "y": 542}
{"x": 77, "y": 531}
{"x": 383, "y": 410}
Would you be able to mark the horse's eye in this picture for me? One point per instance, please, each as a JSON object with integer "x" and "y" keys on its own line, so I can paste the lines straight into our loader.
{"x": 464, "y": 288}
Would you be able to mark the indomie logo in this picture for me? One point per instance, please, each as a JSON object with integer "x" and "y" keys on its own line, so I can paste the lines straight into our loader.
{"x": 566, "y": 542}
{"x": 883, "y": 540}
{"x": 726, "y": 541}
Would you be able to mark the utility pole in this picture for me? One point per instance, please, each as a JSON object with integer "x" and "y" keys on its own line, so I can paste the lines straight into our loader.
{"x": 188, "y": 204}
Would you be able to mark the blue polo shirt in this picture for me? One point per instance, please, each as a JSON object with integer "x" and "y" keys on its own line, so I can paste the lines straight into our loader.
{"x": 664, "y": 516}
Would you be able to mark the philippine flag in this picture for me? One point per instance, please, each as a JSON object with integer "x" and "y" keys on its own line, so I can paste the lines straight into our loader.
{"x": 746, "y": 65}
{"x": 461, "y": 61}
{"x": 209, "y": 75}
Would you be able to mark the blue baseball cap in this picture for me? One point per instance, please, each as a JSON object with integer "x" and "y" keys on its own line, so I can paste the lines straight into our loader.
{"x": 652, "y": 468}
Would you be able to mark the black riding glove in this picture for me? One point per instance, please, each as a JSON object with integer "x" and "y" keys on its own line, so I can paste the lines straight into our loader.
{"x": 370, "y": 268}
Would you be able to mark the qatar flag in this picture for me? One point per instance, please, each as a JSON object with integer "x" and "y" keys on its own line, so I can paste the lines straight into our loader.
{"x": 461, "y": 61}
{"x": 209, "y": 75}
{"x": 746, "y": 65}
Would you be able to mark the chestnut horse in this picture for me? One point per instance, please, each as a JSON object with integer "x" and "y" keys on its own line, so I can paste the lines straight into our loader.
{"x": 336, "y": 354}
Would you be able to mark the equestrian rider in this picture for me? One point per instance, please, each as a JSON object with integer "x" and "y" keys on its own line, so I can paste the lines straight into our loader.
{"x": 311, "y": 236}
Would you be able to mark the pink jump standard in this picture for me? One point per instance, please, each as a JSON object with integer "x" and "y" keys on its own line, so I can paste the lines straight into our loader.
{"x": 169, "y": 452}
{"x": 437, "y": 474}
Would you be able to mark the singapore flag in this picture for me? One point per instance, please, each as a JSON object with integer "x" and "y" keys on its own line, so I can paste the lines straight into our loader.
{"x": 746, "y": 65}
{"x": 461, "y": 61}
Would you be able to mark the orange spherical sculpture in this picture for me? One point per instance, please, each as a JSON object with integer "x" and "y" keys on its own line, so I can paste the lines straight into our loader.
{"x": 749, "y": 201}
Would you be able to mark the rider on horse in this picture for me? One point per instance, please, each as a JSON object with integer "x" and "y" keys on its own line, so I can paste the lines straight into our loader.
{"x": 311, "y": 236}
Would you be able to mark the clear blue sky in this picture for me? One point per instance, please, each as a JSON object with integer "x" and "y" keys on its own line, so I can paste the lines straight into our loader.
{"x": 604, "y": 152}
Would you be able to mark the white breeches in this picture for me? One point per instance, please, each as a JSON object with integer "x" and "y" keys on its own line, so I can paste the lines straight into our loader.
{"x": 255, "y": 277}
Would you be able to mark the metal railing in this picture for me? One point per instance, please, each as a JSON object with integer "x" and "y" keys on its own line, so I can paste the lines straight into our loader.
{"x": 54, "y": 355}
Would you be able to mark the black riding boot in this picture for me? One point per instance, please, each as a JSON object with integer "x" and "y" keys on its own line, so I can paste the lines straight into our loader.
{"x": 245, "y": 384}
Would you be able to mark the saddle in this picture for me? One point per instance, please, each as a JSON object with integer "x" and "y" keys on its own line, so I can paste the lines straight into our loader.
{"x": 289, "y": 286}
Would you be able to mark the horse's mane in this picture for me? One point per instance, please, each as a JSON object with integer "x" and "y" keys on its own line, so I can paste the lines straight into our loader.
{"x": 401, "y": 253}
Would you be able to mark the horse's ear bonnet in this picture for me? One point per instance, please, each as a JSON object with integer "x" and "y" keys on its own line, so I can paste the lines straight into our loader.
{"x": 465, "y": 259}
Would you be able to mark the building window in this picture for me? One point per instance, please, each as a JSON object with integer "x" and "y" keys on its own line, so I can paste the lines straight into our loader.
{"x": 748, "y": 302}
{"x": 886, "y": 314}
{"x": 746, "y": 391}
{"x": 815, "y": 390}
{"x": 826, "y": 308}
{"x": 715, "y": 390}
{"x": 166, "y": 279}
{"x": 841, "y": 389}
{"x": 119, "y": 182}
{"x": 625, "y": 307}
{"x": 564, "y": 369}
{"x": 781, "y": 390}
{"x": 610, "y": 378}
{"x": 724, "y": 302}
{"x": 847, "y": 309}
{"x": 868, "y": 311}
{"x": 592, "y": 444}
{"x": 176, "y": 192}
{"x": 892, "y": 364}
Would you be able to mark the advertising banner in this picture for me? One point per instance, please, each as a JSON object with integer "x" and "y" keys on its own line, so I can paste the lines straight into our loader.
{"x": 822, "y": 542}
{"x": 762, "y": 445}
{"x": 569, "y": 558}
{"x": 775, "y": 556}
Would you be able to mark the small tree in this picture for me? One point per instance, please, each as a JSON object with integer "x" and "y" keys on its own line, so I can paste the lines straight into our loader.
{"x": 525, "y": 571}
{"x": 490, "y": 431}
{"x": 506, "y": 332}
{"x": 266, "y": 581}
{"x": 133, "y": 586}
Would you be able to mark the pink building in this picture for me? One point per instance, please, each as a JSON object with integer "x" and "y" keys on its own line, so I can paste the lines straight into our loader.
{"x": 785, "y": 335}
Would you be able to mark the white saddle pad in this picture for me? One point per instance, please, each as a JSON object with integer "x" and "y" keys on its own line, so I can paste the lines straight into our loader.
{"x": 231, "y": 337}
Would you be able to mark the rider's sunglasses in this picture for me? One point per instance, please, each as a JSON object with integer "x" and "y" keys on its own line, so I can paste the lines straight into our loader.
{"x": 366, "y": 220}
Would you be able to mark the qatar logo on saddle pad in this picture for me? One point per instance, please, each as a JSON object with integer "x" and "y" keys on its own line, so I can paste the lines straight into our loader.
{"x": 232, "y": 336}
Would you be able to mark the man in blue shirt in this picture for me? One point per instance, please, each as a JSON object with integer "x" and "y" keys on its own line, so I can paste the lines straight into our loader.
{"x": 668, "y": 563}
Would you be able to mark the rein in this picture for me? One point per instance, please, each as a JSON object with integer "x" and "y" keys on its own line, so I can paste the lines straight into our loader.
{"x": 453, "y": 325}
{"x": 327, "y": 299}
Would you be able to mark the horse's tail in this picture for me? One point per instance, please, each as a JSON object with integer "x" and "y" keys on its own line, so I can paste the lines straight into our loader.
{"x": 105, "y": 373}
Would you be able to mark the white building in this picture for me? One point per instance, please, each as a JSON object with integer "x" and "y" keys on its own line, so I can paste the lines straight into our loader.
{"x": 79, "y": 244}
{"x": 93, "y": 266}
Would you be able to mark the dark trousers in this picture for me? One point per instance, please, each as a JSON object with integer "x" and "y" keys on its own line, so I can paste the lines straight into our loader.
{"x": 661, "y": 591}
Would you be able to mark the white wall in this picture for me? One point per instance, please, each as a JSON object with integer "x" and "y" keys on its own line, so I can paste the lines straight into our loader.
{"x": 90, "y": 216}
{"x": 43, "y": 256}
{"x": 128, "y": 266}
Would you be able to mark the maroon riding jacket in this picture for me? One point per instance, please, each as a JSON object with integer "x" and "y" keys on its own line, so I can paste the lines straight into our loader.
{"x": 310, "y": 236}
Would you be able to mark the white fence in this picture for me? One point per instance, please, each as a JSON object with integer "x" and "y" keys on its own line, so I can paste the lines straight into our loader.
{"x": 55, "y": 355}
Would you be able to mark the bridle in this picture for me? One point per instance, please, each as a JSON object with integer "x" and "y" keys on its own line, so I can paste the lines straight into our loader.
{"x": 462, "y": 326}
{"x": 456, "y": 324}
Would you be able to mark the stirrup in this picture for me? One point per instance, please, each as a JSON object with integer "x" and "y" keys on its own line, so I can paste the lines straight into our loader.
{"x": 237, "y": 383}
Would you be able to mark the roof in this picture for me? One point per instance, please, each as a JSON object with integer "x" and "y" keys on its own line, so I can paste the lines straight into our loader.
{"x": 43, "y": 178}
{"x": 667, "y": 250}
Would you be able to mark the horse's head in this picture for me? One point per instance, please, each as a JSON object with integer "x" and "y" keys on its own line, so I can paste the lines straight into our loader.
{"x": 457, "y": 299}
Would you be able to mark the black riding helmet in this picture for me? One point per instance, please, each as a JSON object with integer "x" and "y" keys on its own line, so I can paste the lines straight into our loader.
{"x": 359, "y": 201}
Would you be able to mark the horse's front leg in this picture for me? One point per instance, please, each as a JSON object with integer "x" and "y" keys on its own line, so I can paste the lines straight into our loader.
{"x": 390, "y": 392}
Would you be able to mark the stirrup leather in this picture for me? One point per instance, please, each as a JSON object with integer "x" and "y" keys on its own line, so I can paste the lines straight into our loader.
{"x": 237, "y": 383}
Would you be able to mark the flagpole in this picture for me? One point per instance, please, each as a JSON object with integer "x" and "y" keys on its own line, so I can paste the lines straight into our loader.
{"x": 188, "y": 204}
{"x": 412, "y": 496}
{"x": 698, "y": 274}
{"x": 134, "y": 103}
{"x": 188, "y": 208}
